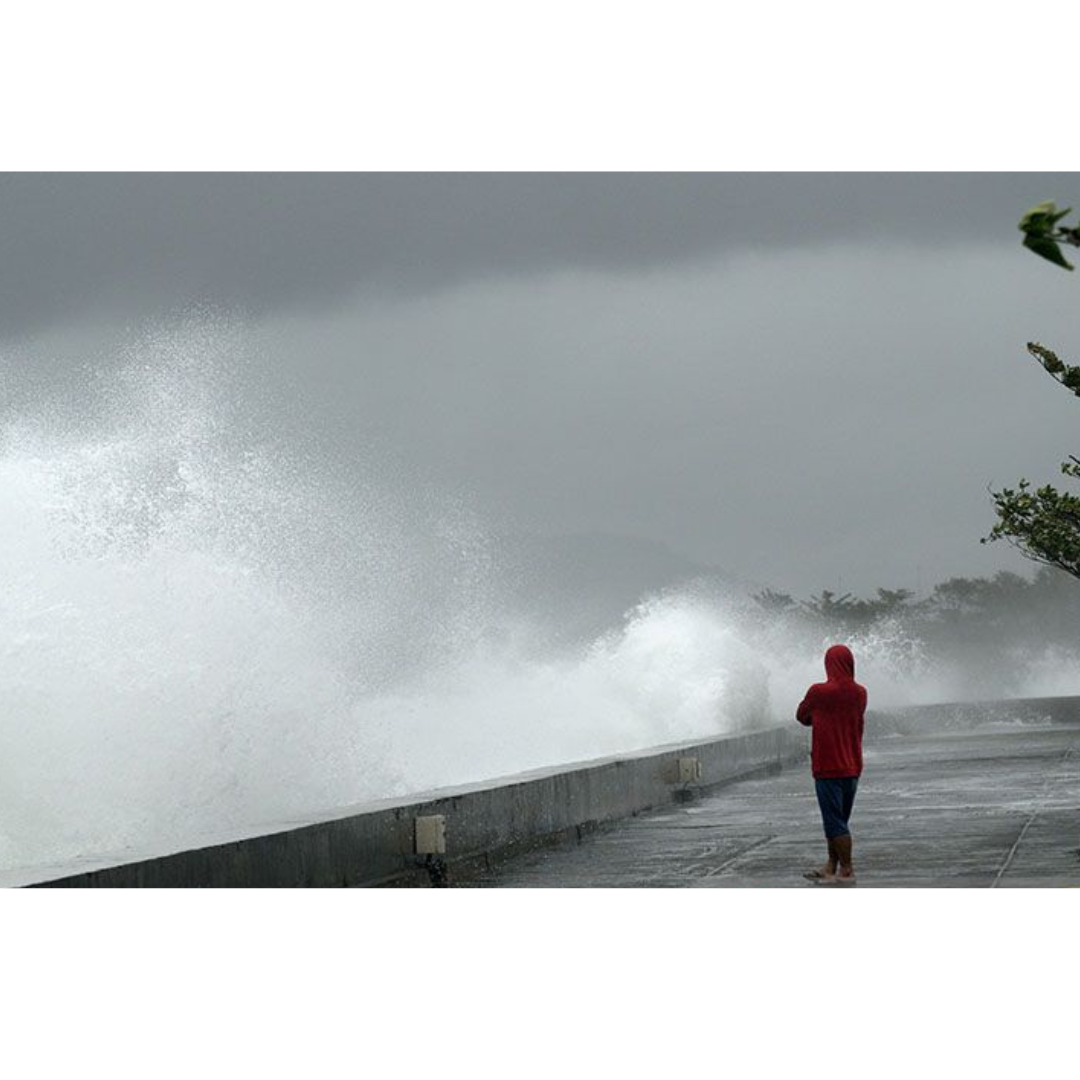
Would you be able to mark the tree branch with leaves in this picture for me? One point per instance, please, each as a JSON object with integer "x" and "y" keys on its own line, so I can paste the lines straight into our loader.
{"x": 1043, "y": 523}
{"x": 1044, "y": 235}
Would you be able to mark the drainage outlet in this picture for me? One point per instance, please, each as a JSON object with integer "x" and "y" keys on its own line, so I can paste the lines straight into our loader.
{"x": 689, "y": 770}
{"x": 431, "y": 835}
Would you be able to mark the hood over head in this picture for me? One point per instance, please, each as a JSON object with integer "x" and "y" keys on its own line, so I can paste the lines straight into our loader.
{"x": 839, "y": 663}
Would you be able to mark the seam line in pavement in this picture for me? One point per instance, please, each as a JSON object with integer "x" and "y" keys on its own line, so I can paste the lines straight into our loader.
{"x": 1012, "y": 851}
{"x": 1043, "y": 799}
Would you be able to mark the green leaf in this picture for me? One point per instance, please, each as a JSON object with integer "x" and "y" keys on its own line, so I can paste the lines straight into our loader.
{"x": 1048, "y": 249}
{"x": 1039, "y": 218}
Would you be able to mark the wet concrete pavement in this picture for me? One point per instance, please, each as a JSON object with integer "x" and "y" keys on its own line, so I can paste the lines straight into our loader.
{"x": 990, "y": 807}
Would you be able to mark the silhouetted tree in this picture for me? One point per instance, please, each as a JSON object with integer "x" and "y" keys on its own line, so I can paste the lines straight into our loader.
{"x": 851, "y": 612}
{"x": 776, "y": 603}
{"x": 892, "y": 601}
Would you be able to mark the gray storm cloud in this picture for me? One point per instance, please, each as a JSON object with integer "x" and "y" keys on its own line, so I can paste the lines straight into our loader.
{"x": 127, "y": 243}
{"x": 807, "y": 380}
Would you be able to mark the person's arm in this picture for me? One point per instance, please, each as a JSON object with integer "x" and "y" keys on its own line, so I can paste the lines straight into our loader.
{"x": 803, "y": 714}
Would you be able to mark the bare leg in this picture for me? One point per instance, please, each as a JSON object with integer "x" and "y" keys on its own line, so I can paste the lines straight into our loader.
{"x": 829, "y": 869}
{"x": 842, "y": 848}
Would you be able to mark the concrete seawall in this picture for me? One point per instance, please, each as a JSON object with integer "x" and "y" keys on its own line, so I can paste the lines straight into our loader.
{"x": 376, "y": 844}
{"x": 929, "y": 720}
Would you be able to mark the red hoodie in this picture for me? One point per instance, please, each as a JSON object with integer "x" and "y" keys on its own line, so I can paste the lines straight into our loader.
{"x": 835, "y": 711}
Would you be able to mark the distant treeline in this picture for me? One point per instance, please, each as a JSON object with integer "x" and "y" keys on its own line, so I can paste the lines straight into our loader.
{"x": 984, "y": 619}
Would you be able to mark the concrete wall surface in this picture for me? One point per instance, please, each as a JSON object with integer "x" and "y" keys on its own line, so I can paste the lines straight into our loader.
{"x": 376, "y": 844}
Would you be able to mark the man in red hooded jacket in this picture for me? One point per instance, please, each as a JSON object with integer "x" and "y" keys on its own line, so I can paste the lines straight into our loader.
{"x": 835, "y": 712}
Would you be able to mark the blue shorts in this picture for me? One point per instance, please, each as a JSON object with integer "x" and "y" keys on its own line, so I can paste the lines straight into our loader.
{"x": 836, "y": 797}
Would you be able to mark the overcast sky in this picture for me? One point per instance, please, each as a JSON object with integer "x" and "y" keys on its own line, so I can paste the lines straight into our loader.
{"x": 807, "y": 379}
